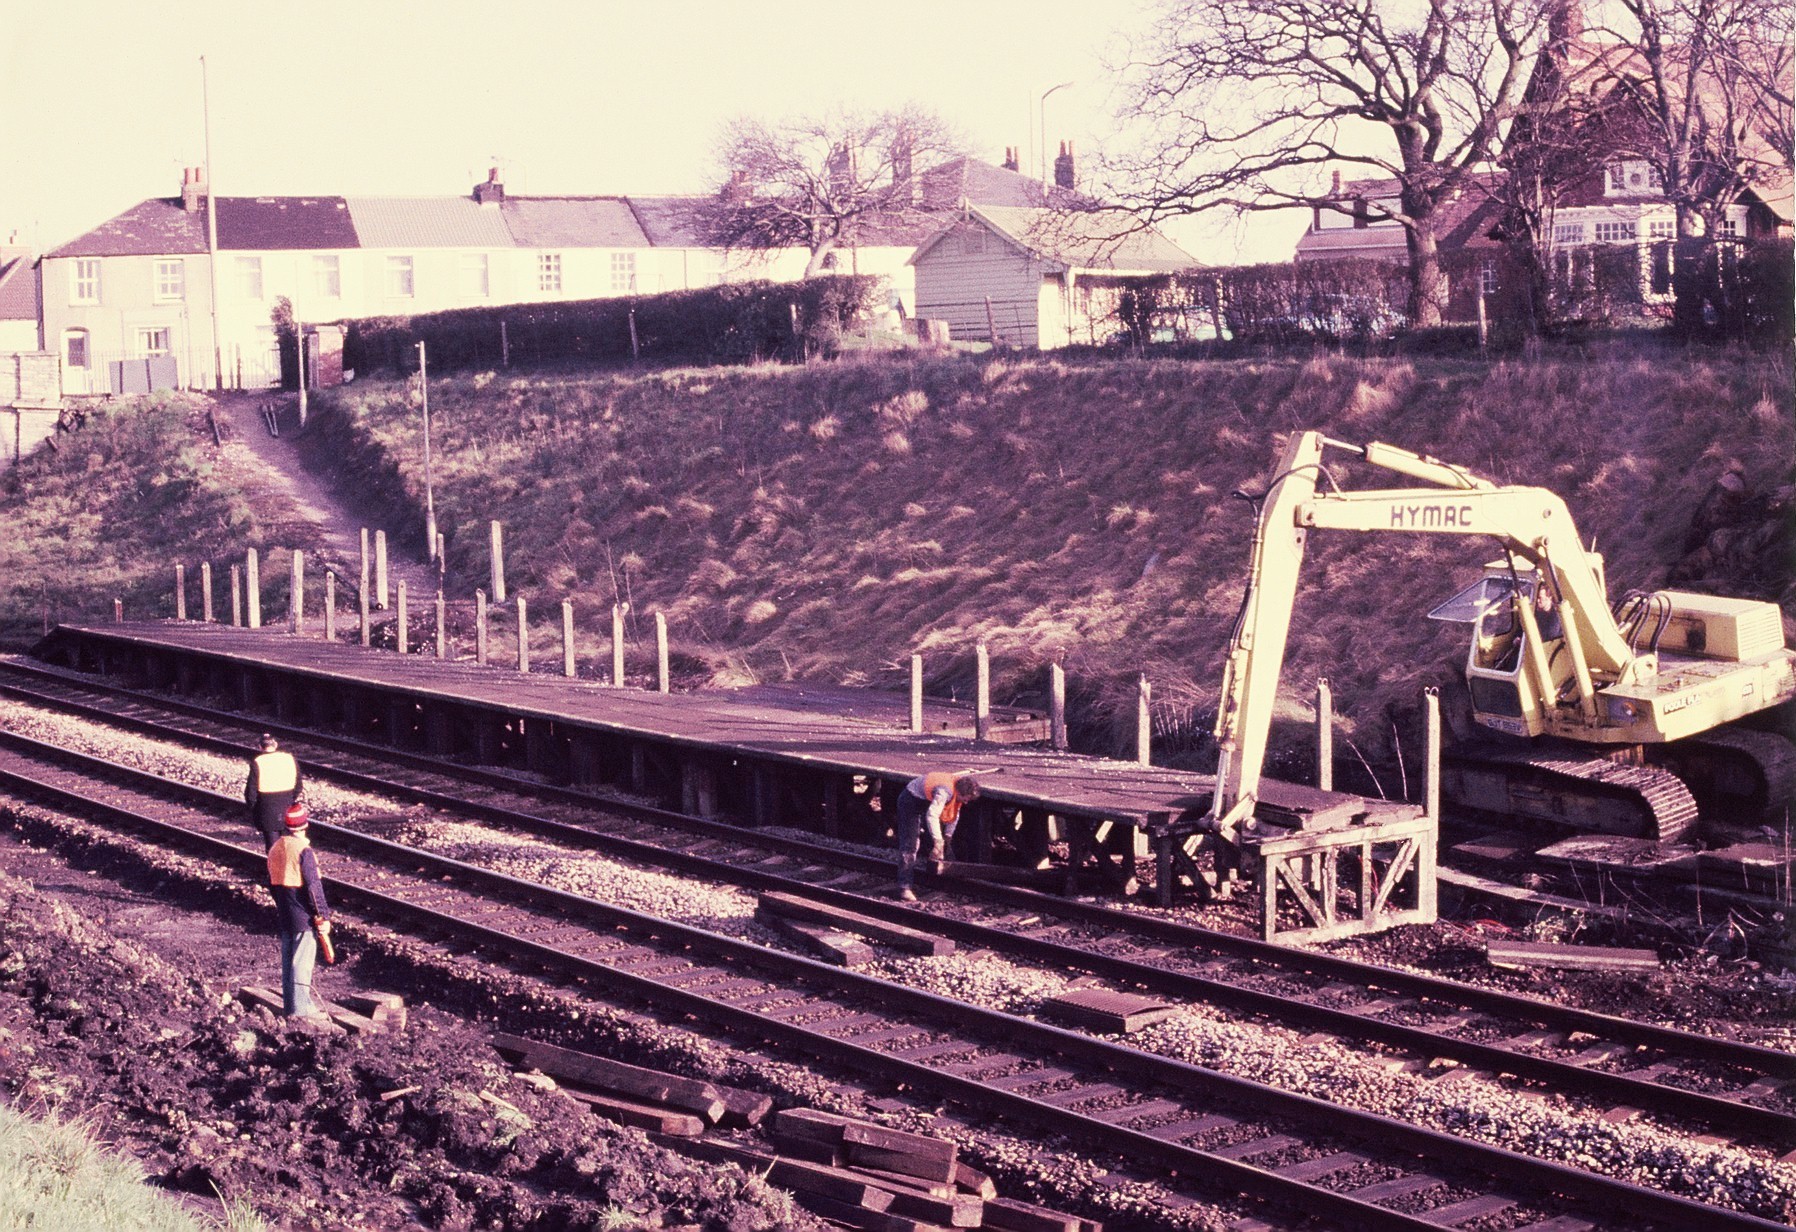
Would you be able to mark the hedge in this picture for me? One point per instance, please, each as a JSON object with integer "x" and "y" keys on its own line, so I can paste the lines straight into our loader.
{"x": 733, "y": 323}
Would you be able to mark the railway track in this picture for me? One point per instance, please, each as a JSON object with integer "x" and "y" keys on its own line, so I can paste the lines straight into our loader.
{"x": 1740, "y": 1090}
{"x": 1349, "y": 1166}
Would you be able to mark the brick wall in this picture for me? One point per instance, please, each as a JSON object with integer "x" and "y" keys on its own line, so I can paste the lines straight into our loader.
{"x": 30, "y": 401}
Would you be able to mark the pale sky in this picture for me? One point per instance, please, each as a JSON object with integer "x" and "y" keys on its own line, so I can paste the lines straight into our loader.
{"x": 101, "y": 102}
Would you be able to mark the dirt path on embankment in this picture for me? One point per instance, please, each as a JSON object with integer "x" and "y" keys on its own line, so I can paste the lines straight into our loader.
{"x": 298, "y": 506}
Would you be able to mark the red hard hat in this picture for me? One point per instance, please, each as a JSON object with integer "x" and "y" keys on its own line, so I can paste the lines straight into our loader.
{"x": 297, "y": 817}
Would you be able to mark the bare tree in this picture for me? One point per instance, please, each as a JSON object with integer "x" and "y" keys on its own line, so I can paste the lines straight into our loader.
{"x": 1247, "y": 103}
{"x": 822, "y": 183}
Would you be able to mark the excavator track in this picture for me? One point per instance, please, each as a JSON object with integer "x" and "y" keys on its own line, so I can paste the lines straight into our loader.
{"x": 1738, "y": 774}
{"x": 1582, "y": 794}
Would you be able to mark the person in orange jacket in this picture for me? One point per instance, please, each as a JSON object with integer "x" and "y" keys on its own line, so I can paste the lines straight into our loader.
{"x": 300, "y": 908}
{"x": 929, "y": 802}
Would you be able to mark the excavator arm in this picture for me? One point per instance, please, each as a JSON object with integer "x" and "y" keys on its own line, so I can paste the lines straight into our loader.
{"x": 1532, "y": 525}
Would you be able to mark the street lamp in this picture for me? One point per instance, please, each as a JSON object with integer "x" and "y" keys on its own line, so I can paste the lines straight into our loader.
{"x": 1043, "y": 108}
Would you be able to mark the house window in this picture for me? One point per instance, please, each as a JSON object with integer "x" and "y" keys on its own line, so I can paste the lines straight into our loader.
{"x": 249, "y": 277}
{"x": 86, "y": 288}
{"x": 153, "y": 341}
{"x": 1614, "y": 232}
{"x": 548, "y": 272}
{"x": 399, "y": 277}
{"x": 623, "y": 272}
{"x": 1568, "y": 233}
{"x": 74, "y": 345}
{"x": 1487, "y": 278}
{"x": 972, "y": 242}
{"x": 1661, "y": 228}
{"x": 474, "y": 280}
{"x": 327, "y": 276}
{"x": 1728, "y": 229}
{"x": 171, "y": 280}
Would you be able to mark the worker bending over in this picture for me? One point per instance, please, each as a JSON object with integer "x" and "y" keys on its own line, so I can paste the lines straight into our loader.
{"x": 934, "y": 801}
{"x": 273, "y": 788}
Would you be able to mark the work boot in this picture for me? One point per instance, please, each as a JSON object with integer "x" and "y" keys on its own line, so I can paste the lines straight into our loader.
{"x": 907, "y": 895}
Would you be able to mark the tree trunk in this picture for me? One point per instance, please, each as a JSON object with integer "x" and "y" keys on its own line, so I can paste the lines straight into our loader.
{"x": 823, "y": 248}
{"x": 1427, "y": 281}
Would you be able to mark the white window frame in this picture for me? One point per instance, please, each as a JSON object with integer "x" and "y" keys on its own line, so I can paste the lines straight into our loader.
{"x": 327, "y": 275}
{"x": 1661, "y": 229}
{"x": 1619, "y": 231}
{"x": 1727, "y": 228}
{"x": 623, "y": 272}
{"x": 401, "y": 277}
{"x": 1487, "y": 278}
{"x": 476, "y": 276}
{"x": 1568, "y": 233}
{"x": 171, "y": 280}
{"x": 548, "y": 273}
{"x": 249, "y": 277}
{"x": 155, "y": 340}
{"x": 84, "y": 281}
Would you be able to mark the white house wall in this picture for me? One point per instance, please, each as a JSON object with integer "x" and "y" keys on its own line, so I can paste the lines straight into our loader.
{"x": 952, "y": 285}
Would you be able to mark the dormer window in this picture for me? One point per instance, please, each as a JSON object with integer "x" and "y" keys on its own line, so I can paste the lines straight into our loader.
{"x": 1631, "y": 177}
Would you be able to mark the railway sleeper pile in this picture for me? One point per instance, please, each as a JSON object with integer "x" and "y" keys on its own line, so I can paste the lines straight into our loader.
{"x": 855, "y": 1173}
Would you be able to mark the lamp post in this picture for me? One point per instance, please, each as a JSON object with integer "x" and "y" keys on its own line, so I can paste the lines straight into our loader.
{"x": 1043, "y": 108}
{"x": 430, "y": 508}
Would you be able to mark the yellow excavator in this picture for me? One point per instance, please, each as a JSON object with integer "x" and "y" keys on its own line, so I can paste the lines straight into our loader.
{"x": 1620, "y": 718}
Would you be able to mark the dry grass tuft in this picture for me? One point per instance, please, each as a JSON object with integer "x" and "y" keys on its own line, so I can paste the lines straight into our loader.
{"x": 695, "y": 508}
{"x": 826, "y": 429}
{"x": 897, "y": 443}
{"x": 913, "y": 510}
{"x": 760, "y": 612}
{"x": 960, "y": 430}
{"x": 905, "y": 409}
{"x": 1767, "y": 414}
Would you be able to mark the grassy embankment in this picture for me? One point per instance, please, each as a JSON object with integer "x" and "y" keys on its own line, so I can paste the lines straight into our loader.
{"x": 824, "y": 523}
{"x": 109, "y": 511}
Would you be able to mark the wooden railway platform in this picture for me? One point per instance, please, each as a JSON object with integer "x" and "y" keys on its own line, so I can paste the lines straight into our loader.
{"x": 814, "y": 758}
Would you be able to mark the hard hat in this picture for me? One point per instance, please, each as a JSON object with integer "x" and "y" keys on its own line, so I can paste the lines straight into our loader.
{"x": 297, "y": 817}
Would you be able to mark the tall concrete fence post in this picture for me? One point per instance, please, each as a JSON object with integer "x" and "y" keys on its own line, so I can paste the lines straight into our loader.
{"x": 118, "y": 611}
{"x": 365, "y": 578}
{"x": 497, "y": 534}
{"x": 206, "y": 613}
{"x": 367, "y": 625}
{"x": 916, "y": 693}
{"x": 617, "y": 645}
{"x": 403, "y": 631}
{"x": 236, "y": 597}
{"x": 1432, "y": 790}
{"x": 330, "y": 604}
{"x": 480, "y": 627}
{"x": 252, "y": 588}
{"x": 1057, "y": 707}
{"x": 1144, "y": 722}
{"x": 523, "y": 636}
{"x": 381, "y": 590}
{"x": 567, "y": 637}
{"x": 982, "y": 693}
{"x": 1325, "y": 735}
{"x": 180, "y": 592}
{"x": 663, "y": 681}
{"x": 442, "y": 629}
{"x": 296, "y": 592}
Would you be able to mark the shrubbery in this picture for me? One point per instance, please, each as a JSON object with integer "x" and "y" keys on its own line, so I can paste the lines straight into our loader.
{"x": 733, "y": 323}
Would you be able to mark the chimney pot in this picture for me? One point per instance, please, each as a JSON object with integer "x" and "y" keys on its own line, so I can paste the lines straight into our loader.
{"x": 1065, "y": 173}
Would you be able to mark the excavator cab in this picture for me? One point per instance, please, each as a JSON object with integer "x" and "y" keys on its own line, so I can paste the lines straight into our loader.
{"x": 1506, "y": 607}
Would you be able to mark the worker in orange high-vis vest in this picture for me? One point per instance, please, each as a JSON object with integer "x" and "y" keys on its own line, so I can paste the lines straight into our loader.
{"x": 273, "y": 788}
{"x": 929, "y": 802}
{"x": 300, "y": 907}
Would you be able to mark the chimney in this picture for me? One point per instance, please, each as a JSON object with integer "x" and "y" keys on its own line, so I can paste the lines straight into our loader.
{"x": 1063, "y": 167}
{"x": 904, "y": 185}
{"x": 1336, "y": 190}
{"x": 1010, "y": 159}
{"x": 193, "y": 189}
{"x": 1565, "y": 23}
{"x": 735, "y": 189}
{"x": 491, "y": 192}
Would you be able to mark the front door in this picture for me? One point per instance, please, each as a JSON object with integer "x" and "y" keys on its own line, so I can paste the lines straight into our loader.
{"x": 77, "y": 362}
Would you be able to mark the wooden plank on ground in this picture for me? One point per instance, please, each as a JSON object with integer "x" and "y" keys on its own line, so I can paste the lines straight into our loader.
{"x": 743, "y": 1107}
{"x": 870, "y": 1145}
{"x": 823, "y": 941}
{"x": 973, "y": 1180}
{"x": 910, "y": 940}
{"x": 640, "y": 1116}
{"x": 1518, "y": 954}
{"x": 1010, "y": 1215}
{"x": 860, "y": 1217}
{"x": 794, "y": 1174}
{"x": 630, "y": 1081}
{"x": 387, "y": 1009}
{"x": 349, "y": 1020}
{"x": 271, "y": 1000}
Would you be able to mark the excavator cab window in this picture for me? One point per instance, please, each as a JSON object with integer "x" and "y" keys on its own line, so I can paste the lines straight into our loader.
{"x": 1493, "y": 668}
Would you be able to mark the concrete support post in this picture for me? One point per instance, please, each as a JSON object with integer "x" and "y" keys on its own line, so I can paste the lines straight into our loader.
{"x": 206, "y": 612}
{"x": 916, "y": 693}
{"x": 403, "y": 629}
{"x": 567, "y": 638}
{"x": 380, "y": 569}
{"x": 442, "y": 629}
{"x": 1432, "y": 773}
{"x": 364, "y": 580}
{"x": 236, "y": 597}
{"x": 296, "y": 592}
{"x": 180, "y": 592}
{"x": 367, "y": 625}
{"x": 1325, "y": 735}
{"x": 118, "y": 611}
{"x": 330, "y": 605}
{"x": 252, "y": 588}
{"x": 617, "y": 645}
{"x": 1144, "y": 722}
{"x": 497, "y": 534}
{"x": 523, "y": 637}
{"x": 663, "y": 682}
{"x": 982, "y": 693}
{"x": 1057, "y": 707}
{"x": 480, "y": 627}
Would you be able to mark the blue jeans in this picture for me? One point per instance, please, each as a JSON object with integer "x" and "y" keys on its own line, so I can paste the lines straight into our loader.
{"x": 912, "y": 827}
{"x": 299, "y": 951}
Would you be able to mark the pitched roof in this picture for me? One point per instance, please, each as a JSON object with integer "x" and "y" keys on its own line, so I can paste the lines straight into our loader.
{"x": 271, "y": 223}
{"x": 1465, "y": 221}
{"x": 427, "y": 222}
{"x": 672, "y": 222}
{"x": 148, "y": 228}
{"x": 18, "y": 289}
{"x": 959, "y": 180}
{"x": 572, "y": 222}
{"x": 1095, "y": 241}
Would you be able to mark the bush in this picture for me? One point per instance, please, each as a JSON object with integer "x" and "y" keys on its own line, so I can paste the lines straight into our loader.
{"x": 734, "y": 323}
